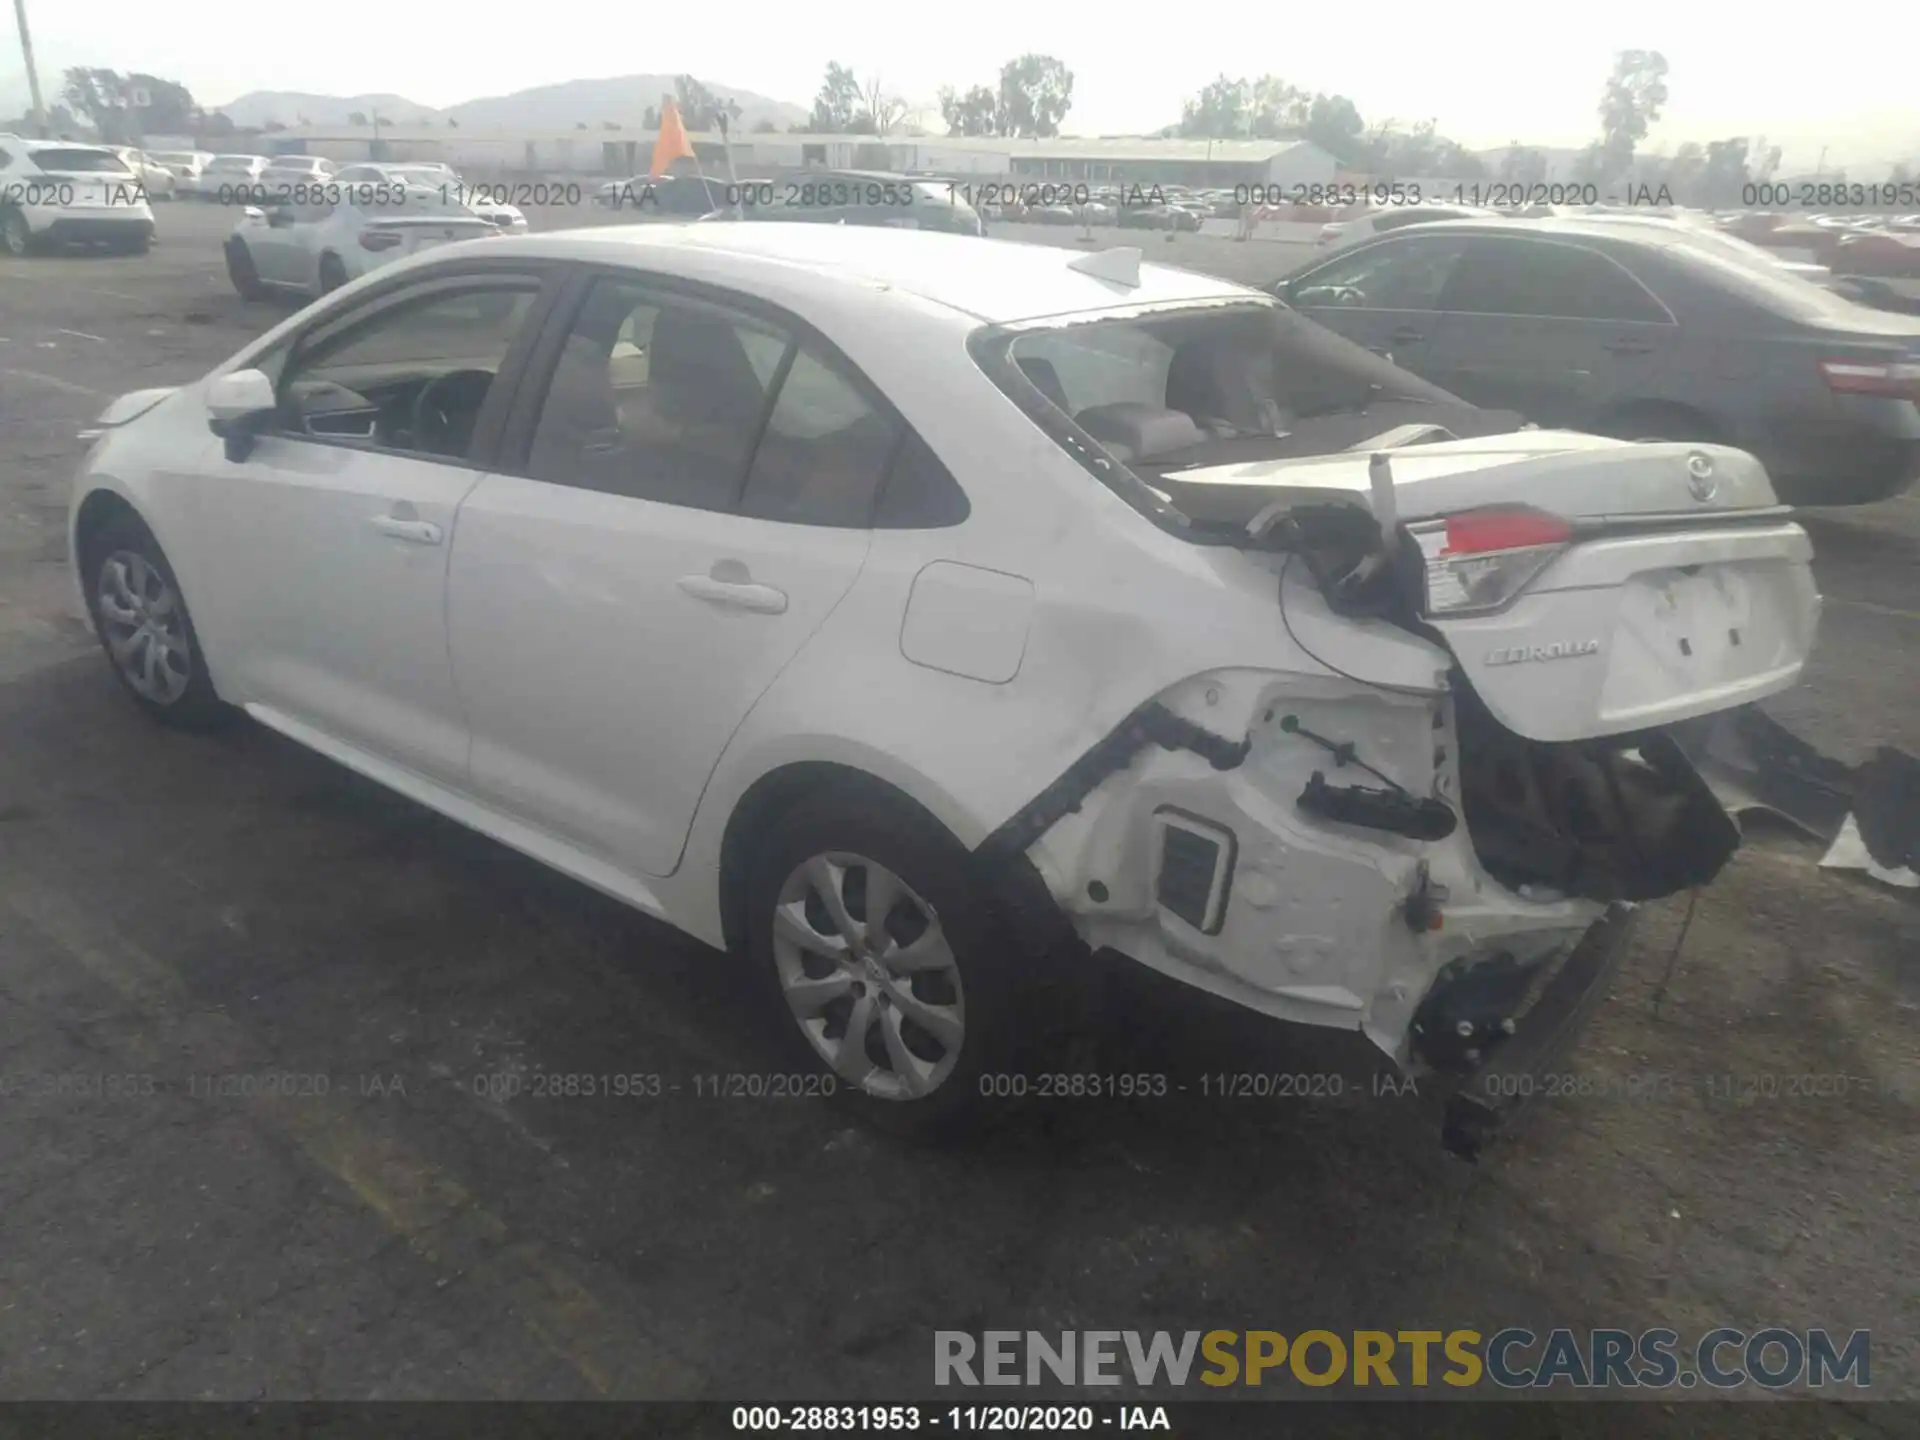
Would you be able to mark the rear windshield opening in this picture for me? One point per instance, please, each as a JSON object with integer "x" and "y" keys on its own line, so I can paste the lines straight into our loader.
{"x": 79, "y": 162}
{"x": 1207, "y": 386}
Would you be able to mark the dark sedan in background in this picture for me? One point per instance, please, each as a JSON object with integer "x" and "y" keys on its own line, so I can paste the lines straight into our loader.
{"x": 1639, "y": 335}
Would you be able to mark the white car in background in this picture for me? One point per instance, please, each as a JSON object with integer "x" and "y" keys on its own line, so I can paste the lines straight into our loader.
{"x": 55, "y": 192}
{"x": 184, "y": 165}
{"x": 318, "y": 244}
{"x": 286, "y": 176}
{"x": 158, "y": 180}
{"x": 1337, "y": 234}
{"x": 231, "y": 179}
{"x": 1137, "y": 614}
{"x": 443, "y": 179}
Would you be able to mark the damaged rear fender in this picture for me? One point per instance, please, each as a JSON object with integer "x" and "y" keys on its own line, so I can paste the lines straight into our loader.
{"x": 1191, "y": 840}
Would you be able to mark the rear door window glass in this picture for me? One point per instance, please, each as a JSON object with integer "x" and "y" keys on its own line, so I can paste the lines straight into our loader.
{"x": 1547, "y": 279}
{"x": 658, "y": 396}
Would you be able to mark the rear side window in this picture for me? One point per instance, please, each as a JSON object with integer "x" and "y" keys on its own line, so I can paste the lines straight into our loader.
{"x": 920, "y": 493}
{"x": 74, "y": 162}
{"x": 1511, "y": 276}
{"x": 824, "y": 452}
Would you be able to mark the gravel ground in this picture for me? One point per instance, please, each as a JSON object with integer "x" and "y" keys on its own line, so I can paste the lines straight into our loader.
{"x": 180, "y": 908}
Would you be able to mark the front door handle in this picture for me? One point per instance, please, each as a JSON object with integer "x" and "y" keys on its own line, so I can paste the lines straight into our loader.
{"x": 1631, "y": 347}
{"x": 1406, "y": 336}
{"x": 414, "y": 532}
{"x": 736, "y": 594}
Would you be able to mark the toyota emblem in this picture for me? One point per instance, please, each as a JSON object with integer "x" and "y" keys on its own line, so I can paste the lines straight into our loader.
{"x": 1700, "y": 482}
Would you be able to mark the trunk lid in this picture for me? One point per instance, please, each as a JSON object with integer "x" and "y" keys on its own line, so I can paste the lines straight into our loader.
{"x": 1565, "y": 473}
{"x": 1586, "y": 586}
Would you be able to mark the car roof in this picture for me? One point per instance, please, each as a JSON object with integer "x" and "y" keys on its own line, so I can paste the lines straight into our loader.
{"x": 997, "y": 281}
{"x": 1556, "y": 226}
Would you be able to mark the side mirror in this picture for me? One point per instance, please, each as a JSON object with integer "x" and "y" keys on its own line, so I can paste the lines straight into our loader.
{"x": 253, "y": 212}
{"x": 239, "y": 406}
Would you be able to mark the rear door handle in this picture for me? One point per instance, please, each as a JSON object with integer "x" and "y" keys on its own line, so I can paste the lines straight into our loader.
{"x": 1406, "y": 336}
{"x": 736, "y": 594}
{"x": 414, "y": 532}
{"x": 1630, "y": 347}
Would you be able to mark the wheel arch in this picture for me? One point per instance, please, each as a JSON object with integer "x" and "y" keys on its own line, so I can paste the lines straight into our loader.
{"x": 100, "y": 507}
{"x": 1034, "y": 921}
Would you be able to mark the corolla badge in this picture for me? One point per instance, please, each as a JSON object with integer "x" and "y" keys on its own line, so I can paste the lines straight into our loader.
{"x": 1701, "y": 483}
{"x": 1558, "y": 650}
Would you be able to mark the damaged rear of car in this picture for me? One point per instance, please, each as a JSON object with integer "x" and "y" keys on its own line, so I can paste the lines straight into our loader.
{"x": 1432, "y": 821}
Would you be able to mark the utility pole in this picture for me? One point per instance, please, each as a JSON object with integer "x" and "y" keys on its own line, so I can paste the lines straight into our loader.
{"x": 39, "y": 116}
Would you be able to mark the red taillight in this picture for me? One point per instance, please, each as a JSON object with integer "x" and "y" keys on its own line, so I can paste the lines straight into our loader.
{"x": 1864, "y": 377}
{"x": 378, "y": 239}
{"x": 1480, "y": 531}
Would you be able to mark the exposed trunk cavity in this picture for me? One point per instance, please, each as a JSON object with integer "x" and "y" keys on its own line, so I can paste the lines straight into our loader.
{"x": 1621, "y": 819}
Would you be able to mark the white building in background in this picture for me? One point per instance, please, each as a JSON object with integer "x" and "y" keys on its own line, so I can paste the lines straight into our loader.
{"x": 621, "y": 153}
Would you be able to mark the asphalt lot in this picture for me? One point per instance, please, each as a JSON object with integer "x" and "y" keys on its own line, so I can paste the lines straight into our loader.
{"x": 180, "y": 909}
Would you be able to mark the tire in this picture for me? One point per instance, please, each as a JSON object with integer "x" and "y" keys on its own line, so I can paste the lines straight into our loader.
{"x": 132, "y": 593}
{"x": 332, "y": 274}
{"x": 240, "y": 270}
{"x": 16, "y": 236}
{"x": 933, "y": 1034}
{"x": 138, "y": 245}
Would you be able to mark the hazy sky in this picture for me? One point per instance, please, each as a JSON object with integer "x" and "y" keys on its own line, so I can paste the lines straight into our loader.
{"x": 1487, "y": 70}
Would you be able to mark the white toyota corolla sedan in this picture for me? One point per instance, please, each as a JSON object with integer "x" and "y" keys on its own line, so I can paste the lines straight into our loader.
{"x": 910, "y": 614}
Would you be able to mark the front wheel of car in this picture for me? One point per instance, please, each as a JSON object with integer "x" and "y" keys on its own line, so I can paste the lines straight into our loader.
{"x": 16, "y": 236}
{"x": 142, "y": 622}
{"x": 885, "y": 965}
{"x": 240, "y": 269}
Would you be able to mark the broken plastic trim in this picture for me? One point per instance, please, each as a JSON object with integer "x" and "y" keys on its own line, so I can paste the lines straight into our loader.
{"x": 1394, "y": 811}
{"x": 1151, "y": 724}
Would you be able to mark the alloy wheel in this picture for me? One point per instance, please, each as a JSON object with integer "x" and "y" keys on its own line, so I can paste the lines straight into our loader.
{"x": 144, "y": 625}
{"x": 869, "y": 976}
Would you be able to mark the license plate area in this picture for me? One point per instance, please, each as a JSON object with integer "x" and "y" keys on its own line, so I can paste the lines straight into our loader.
{"x": 1684, "y": 636}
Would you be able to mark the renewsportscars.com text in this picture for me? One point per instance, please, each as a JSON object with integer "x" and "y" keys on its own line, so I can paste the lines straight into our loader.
{"x": 1514, "y": 1358}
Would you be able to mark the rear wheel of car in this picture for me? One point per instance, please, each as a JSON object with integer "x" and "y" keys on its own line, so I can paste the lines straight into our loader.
{"x": 240, "y": 270}
{"x": 885, "y": 967}
{"x": 142, "y": 622}
{"x": 16, "y": 236}
{"x": 332, "y": 274}
{"x": 133, "y": 245}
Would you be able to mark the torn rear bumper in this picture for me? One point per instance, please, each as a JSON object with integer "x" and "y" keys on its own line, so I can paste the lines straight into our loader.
{"x": 1543, "y": 1036}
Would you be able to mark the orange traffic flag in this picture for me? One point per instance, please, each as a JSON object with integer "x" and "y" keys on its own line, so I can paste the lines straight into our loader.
{"x": 673, "y": 143}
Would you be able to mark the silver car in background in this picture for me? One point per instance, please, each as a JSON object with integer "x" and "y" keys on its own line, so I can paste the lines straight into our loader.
{"x": 336, "y": 233}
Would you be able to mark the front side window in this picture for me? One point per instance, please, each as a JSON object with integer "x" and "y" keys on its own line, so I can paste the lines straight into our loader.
{"x": 412, "y": 377}
{"x": 1407, "y": 274}
{"x": 658, "y": 396}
